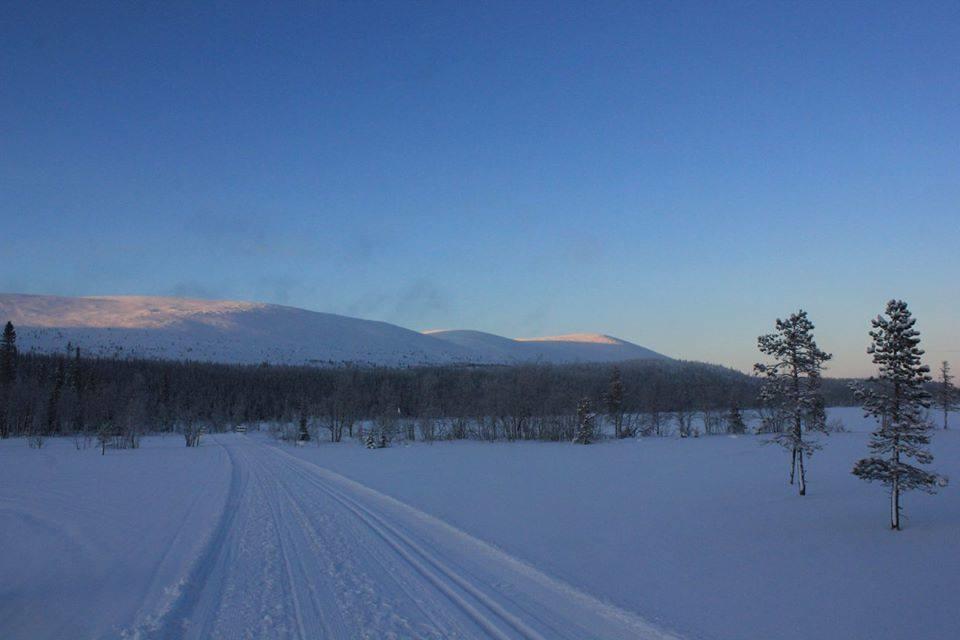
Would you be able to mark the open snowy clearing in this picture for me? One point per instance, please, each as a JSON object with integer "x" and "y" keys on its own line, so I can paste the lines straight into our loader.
{"x": 703, "y": 536}
{"x": 245, "y": 537}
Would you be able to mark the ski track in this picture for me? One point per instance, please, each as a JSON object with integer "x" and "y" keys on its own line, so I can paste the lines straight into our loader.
{"x": 302, "y": 552}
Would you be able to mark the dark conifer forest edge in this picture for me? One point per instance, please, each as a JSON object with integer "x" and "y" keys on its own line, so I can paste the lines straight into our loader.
{"x": 56, "y": 394}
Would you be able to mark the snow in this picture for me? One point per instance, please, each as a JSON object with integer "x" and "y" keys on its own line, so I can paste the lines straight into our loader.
{"x": 92, "y": 546}
{"x": 701, "y": 535}
{"x": 579, "y": 347}
{"x": 245, "y": 332}
{"x": 240, "y": 539}
{"x": 215, "y": 331}
{"x": 654, "y": 538}
{"x": 589, "y": 338}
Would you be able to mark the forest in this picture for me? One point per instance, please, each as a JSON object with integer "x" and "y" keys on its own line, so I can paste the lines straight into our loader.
{"x": 121, "y": 399}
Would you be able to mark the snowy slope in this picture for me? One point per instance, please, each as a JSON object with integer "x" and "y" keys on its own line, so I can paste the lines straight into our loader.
{"x": 579, "y": 347}
{"x": 246, "y": 332}
{"x": 215, "y": 331}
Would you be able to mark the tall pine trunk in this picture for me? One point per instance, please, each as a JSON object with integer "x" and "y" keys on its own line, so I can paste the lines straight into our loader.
{"x": 803, "y": 476}
{"x": 895, "y": 504}
{"x": 798, "y": 444}
{"x": 895, "y": 489}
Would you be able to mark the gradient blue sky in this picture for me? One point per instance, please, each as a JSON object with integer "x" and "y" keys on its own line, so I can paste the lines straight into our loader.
{"x": 676, "y": 174}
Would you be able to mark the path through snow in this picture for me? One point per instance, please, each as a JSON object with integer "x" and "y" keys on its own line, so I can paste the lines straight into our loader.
{"x": 302, "y": 552}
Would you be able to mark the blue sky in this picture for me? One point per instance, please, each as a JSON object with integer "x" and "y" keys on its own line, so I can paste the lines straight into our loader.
{"x": 675, "y": 174}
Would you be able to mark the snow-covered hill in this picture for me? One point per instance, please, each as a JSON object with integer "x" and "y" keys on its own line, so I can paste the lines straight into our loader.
{"x": 248, "y": 332}
{"x": 578, "y": 347}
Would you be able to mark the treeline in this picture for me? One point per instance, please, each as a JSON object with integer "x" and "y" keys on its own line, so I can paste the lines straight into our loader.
{"x": 48, "y": 395}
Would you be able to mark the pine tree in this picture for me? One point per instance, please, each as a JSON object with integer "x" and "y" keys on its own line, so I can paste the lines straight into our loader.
{"x": 735, "y": 423}
{"x": 8, "y": 355}
{"x": 53, "y": 401}
{"x": 897, "y": 399}
{"x": 75, "y": 374}
{"x": 946, "y": 393}
{"x": 585, "y": 423}
{"x": 304, "y": 434}
{"x": 614, "y": 400}
{"x": 792, "y": 387}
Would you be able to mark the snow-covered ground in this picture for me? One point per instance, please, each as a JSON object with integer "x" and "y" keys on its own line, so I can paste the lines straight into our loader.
{"x": 91, "y": 544}
{"x": 239, "y": 539}
{"x": 244, "y": 537}
{"x": 703, "y": 536}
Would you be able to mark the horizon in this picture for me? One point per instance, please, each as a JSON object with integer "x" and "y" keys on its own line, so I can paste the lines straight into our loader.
{"x": 588, "y": 334}
{"x": 676, "y": 175}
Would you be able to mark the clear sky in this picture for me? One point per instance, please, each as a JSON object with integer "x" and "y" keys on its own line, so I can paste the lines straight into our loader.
{"x": 675, "y": 174}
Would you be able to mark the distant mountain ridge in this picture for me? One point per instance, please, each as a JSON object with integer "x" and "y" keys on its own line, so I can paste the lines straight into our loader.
{"x": 575, "y": 347}
{"x": 251, "y": 332}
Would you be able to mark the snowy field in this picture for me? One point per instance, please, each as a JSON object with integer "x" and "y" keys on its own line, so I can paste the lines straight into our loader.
{"x": 696, "y": 538}
{"x": 90, "y": 543}
{"x": 703, "y": 536}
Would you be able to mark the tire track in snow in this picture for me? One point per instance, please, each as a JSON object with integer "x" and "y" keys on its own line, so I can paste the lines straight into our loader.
{"x": 148, "y": 619}
{"x": 449, "y": 582}
{"x": 273, "y": 495}
{"x": 441, "y": 577}
{"x": 303, "y": 552}
{"x": 320, "y": 548}
{"x": 171, "y": 624}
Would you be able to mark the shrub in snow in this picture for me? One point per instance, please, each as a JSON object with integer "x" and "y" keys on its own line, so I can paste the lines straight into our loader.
{"x": 735, "y": 423}
{"x": 836, "y": 426}
{"x": 375, "y": 440}
{"x": 585, "y": 423}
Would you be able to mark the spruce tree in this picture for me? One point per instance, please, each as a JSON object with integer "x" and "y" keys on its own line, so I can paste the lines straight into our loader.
{"x": 946, "y": 393}
{"x": 304, "y": 433}
{"x": 735, "y": 423}
{"x": 53, "y": 401}
{"x": 8, "y": 355}
{"x": 585, "y": 423}
{"x": 792, "y": 387}
{"x": 896, "y": 397}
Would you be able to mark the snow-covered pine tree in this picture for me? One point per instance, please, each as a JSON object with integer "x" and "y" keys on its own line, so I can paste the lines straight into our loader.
{"x": 896, "y": 397}
{"x": 303, "y": 435}
{"x": 792, "y": 387}
{"x": 585, "y": 422}
{"x": 946, "y": 393}
{"x": 735, "y": 423}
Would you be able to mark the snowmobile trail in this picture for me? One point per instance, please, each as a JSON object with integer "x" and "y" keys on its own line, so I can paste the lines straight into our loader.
{"x": 303, "y": 552}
